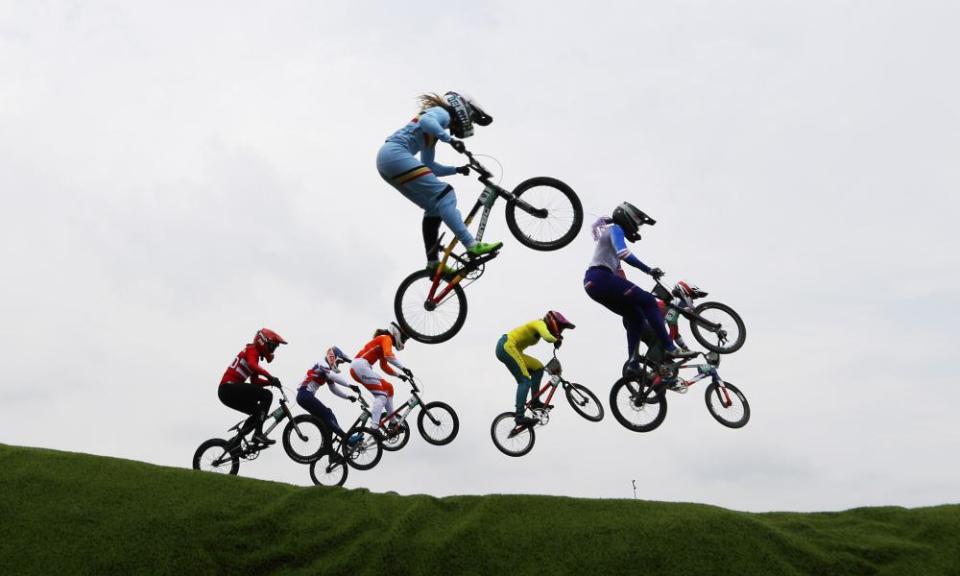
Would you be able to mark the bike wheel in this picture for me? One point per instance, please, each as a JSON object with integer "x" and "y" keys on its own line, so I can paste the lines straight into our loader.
{"x": 562, "y": 218}
{"x": 395, "y": 441}
{"x": 329, "y": 470}
{"x": 584, "y": 402}
{"x": 309, "y": 443}
{"x": 721, "y": 341}
{"x": 423, "y": 320}
{"x": 636, "y": 406}
{"x": 732, "y": 409}
{"x": 215, "y": 456}
{"x": 438, "y": 423}
{"x": 509, "y": 438}
{"x": 366, "y": 451}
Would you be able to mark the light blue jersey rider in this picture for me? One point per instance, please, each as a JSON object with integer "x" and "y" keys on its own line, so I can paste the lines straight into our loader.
{"x": 417, "y": 179}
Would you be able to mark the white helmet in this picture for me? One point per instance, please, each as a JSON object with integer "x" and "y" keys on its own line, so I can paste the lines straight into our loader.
{"x": 466, "y": 112}
{"x": 399, "y": 337}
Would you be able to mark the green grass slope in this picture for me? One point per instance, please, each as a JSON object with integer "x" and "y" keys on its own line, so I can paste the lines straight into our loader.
{"x": 64, "y": 513}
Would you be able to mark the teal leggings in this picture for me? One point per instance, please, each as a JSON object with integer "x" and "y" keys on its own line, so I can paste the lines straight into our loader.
{"x": 525, "y": 385}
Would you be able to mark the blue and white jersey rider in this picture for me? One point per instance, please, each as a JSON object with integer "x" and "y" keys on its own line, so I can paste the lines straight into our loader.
{"x": 417, "y": 179}
{"x": 326, "y": 371}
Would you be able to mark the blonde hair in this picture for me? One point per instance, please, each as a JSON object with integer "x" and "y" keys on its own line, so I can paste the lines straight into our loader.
{"x": 430, "y": 100}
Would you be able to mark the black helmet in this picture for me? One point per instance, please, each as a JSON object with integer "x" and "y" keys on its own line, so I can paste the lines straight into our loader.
{"x": 465, "y": 111}
{"x": 630, "y": 218}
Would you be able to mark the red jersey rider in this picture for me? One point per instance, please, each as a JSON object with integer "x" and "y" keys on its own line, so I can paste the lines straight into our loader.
{"x": 252, "y": 398}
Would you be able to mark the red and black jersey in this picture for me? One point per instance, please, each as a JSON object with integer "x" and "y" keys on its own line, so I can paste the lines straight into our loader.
{"x": 245, "y": 365}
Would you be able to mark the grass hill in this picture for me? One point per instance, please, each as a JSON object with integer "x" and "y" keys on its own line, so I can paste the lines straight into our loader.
{"x": 63, "y": 513}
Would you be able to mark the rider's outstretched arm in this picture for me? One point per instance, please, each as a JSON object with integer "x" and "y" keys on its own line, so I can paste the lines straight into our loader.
{"x": 624, "y": 253}
{"x": 335, "y": 381}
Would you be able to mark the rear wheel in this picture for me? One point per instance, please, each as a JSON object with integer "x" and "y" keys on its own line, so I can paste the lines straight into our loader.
{"x": 362, "y": 448}
{"x": 636, "y": 405}
{"x": 509, "y": 438}
{"x": 726, "y": 338}
{"x": 584, "y": 402}
{"x": 394, "y": 440}
{"x": 214, "y": 456}
{"x": 438, "y": 423}
{"x": 329, "y": 470}
{"x": 731, "y": 408}
{"x": 423, "y": 319}
{"x": 548, "y": 215}
{"x": 305, "y": 439}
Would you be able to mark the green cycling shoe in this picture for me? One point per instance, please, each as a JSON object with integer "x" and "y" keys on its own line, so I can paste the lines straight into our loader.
{"x": 481, "y": 248}
{"x": 448, "y": 272}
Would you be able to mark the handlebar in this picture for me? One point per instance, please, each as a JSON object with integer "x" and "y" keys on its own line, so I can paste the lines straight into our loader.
{"x": 476, "y": 166}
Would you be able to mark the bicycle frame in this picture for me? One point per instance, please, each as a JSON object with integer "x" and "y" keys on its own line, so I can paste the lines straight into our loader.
{"x": 403, "y": 411}
{"x": 704, "y": 371}
{"x": 485, "y": 202}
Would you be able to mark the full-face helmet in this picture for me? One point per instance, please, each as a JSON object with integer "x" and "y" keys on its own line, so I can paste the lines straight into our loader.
{"x": 465, "y": 113}
{"x": 631, "y": 218}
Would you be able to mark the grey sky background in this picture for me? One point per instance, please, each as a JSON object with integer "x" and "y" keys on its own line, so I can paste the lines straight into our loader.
{"x": 176, "y": 175}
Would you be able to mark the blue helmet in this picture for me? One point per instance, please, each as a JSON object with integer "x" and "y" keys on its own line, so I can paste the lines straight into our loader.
{"x": 334, "y": 357}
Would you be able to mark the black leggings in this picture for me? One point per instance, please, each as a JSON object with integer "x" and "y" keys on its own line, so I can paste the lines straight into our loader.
{"x": 247, "y": 398}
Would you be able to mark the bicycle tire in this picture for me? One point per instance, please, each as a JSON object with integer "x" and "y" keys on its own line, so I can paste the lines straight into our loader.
{"x": 436, "y": 410}
{"x": 415, "y": 319}
{"x": 583, "y": 404}
{"x": 305, "y": 451}
{"x": 701, "y": 333}
{"x": 212, "y": 450}
{"x": 632, "y": 406}
{"x": 524, "y": 236}
{"x": 714, "y": 400}
{"x": 370, "y": 444}
{"x": 522, "y": 442}
{"x": 392, "y": 443}
{"x": 329, "y": 470}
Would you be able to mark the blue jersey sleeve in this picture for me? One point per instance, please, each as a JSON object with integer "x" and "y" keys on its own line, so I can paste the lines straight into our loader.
{"x": 427, "y": 155}
{"x": 620, "y": 245}
{"x": 434, "y": 121}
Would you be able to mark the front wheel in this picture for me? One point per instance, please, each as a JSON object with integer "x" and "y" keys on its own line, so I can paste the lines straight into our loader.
{"x": 728, "y": 405}
{"x": 584, "y": 402}
{"x": 425, "y": 319}
{"x": 546, "y": 215}
{"x": 727, "y": 332}
{"x": 509, "y": 438}
{"x": 438, "y": 423}
{"x": 305, "y": 439}
{"x": 215, "y": 456}
{"x": 637, "y": 406}
{"x": 362, "y": 448}
{"x": 329, "y": 470}
{"x": 396, "y": 438}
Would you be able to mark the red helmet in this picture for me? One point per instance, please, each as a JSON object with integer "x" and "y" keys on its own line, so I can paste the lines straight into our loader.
{"x": 556, "y": 322}
{"x": 266, "y": 342}
{"x": 687, "y": 292}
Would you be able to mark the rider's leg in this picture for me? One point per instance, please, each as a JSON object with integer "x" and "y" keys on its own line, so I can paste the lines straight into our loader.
{"x": 316, "y": 408}
{"x": 421, "y": 186}
{"x": 445, "y": 204}
{"x": 250, "y": 399}
{"x": 513, "y": 360}
{"x": 646, "y": 304}
{"x": 627, "y": 300}
{"x": 431, "y": 237}
{"x": 535, "y": 369}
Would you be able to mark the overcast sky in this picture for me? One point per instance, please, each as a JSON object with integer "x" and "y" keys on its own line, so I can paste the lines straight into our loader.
{"x": 175, "y": 175}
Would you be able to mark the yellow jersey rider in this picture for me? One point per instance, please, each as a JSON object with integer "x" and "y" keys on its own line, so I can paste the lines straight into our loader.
{"x": 527, "y": 370}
